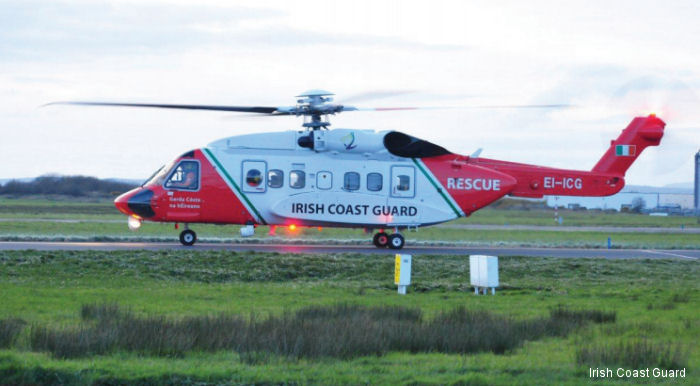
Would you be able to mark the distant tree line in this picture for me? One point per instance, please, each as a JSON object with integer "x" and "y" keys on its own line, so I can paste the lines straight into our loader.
{"x": 76, "y": 186}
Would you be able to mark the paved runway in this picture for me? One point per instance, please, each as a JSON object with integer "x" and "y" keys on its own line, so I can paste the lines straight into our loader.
{"x": 493, "y": 227}
{"x": 560, "y": 228}
{"x": 363, "y": 249}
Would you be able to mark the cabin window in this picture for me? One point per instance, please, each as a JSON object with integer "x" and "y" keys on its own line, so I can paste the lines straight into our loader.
{"x": 297, "y": 179}
{"x": 324, "y": 180}
{"x": 184, "y": 176}
{"x": 275, "y": 178}
{"x": 374, "y": 182}
{"x": 404, "y": 183}
{"x": 253, "y": 177}
{"x": 351, "y": 181}
{"x": 402, "y": 178}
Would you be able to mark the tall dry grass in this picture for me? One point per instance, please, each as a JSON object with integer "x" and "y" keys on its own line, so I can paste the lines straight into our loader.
{"x": 9, "y": 330}
{"x": 634, "y": 354}
{"x": 339, "y": 331}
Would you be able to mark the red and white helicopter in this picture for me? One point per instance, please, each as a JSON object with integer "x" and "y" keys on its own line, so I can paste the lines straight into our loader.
{"x": 352, "y": 178}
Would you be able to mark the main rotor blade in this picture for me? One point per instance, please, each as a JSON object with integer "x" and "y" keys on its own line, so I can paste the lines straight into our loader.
{"x": 255, "y": 115}
{"x": 544, "y": 106}
{"x": 244, "y": 109}
{"x": 371, "y": 95}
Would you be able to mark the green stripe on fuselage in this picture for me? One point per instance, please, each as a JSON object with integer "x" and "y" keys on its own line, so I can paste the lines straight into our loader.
{"x": 437, "y": 187}
{"x": 233, "y": 183}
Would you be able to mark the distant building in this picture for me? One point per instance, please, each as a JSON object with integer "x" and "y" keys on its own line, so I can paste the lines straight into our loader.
{"x": 663, "y": 198}
{"x": 697, "y": 181}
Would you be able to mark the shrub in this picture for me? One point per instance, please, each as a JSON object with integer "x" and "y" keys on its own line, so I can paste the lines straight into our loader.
{"x": 339, "y": 331}
{"x": 105, "y": 311}
{"x": 65, "y": 185}
{"x": 596, "y": 316}
{"x": 9, "y": 329}
{"x": 680, "y": 298}
{"x": 636, "y": 354}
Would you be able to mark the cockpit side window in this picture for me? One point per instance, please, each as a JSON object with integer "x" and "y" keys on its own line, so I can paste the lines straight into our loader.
{"x": 185, "y": 176}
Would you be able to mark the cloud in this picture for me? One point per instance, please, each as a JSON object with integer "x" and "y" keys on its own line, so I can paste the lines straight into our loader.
{"x": 266, "y": 52}
{"x": 36, "y": 30}
{"x": 49, "y": 30}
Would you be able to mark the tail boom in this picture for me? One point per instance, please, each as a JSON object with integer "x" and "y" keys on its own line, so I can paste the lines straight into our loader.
{"x": 539, "y": 181}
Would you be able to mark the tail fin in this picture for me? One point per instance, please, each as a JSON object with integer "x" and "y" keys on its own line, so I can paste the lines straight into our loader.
{"x": 640, "y": 133}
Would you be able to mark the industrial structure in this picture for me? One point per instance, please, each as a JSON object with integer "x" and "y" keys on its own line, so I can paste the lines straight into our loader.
{"x": 669, "y": 199}
{"x": 697, "y": 181}
{"x": 675, "y": 199}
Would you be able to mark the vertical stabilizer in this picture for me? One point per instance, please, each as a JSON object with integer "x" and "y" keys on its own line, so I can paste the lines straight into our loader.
{"x": 639, "y": 134}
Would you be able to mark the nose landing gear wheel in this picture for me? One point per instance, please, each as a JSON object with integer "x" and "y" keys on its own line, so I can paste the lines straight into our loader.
{"x": 188, "y": 237}
{"x": 381, "y": 240}
{"x": 396, "y": 241}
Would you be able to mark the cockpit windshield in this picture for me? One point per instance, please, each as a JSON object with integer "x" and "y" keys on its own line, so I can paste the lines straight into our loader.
{"x": 158, "y": 177}
{"x": 147, "y": 180}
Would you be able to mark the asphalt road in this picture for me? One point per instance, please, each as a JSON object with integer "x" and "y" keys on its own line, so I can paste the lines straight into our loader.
{"x": 364, "y": 249}
{"x": 561, "y": 228}
{"x": 552, "y": 228}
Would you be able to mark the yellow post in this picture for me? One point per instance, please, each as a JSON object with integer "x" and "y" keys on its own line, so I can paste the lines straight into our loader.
{"x": 397, "y": 268}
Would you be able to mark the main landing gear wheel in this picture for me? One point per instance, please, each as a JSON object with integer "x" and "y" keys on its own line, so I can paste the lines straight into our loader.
{"x": 188, "y": 237}
{"x": 381, "y": 240}
{"x": 396, "y": 241}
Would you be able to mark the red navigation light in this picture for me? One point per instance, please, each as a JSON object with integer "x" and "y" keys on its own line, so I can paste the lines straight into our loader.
{"x": 320, "y": 229}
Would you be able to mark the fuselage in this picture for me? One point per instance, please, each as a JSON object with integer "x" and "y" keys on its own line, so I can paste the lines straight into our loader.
{"x": 345, "y": 178}
{"x": 360, "y": 178}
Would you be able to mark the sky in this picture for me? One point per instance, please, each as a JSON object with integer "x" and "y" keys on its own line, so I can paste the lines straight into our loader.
{"x": 610, "y": 60}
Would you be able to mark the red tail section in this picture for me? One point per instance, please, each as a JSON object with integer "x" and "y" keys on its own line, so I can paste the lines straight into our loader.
{"x": 639, "y": 134}
{"x": 606, "y": 178}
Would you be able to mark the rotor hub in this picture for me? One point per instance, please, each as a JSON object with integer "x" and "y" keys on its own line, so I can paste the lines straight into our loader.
{"x": 316, "y": 105}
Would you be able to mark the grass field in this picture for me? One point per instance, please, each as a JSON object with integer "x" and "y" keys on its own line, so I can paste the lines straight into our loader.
{"x": 655, "y": 303}
{"x": 87, "y": 231}
{"x": 41, "y": 219}
{"x": 62, "y": 208}
{"x": 171, "y": 303}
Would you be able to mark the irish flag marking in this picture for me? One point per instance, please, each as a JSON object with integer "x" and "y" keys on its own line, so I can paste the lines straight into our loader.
{"x": 625, "y": 150}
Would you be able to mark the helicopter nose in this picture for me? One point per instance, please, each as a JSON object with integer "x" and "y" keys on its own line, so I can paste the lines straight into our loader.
{"x": 121, "y": 203}
{"x": 136, "y": 202}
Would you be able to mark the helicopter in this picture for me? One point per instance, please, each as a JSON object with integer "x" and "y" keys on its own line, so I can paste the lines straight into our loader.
{"x": 385, "y": 181}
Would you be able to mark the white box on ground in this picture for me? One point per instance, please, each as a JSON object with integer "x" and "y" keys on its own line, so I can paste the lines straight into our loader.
{"x": 402, "y": 272}
{"x": 474, "y": 270}
{"x": 483, "y": 272}
{"x": 247, "y": 231}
